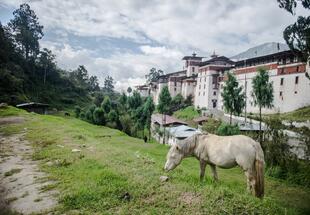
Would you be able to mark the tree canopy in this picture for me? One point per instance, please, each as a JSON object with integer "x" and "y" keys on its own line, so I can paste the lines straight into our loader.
{"x": 153, "y": 75}
{"x": 233, "y": 97}
{"x": 297, "y": 35}
{"x": 26, "y": 31}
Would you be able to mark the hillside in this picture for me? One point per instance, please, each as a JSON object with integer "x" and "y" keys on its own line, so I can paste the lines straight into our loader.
{"x": 112, "y": 164}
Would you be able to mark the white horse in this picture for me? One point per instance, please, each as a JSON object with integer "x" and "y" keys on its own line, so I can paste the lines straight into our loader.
{"x": 225, "y": 152}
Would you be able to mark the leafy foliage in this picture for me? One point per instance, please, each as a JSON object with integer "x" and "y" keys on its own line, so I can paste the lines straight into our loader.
{"x": 262, "y": 94}
{"x": 233, "y": 97}
{"x": 228, "y": 130}
{"x": 297, "y": 35}
{"x": 153, "y": 75}
{"x": 30, "y": 74}
{"x": 187, "y": 114}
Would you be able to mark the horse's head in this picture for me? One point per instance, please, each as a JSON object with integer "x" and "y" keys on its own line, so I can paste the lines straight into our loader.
{"x": 174, "y": 157}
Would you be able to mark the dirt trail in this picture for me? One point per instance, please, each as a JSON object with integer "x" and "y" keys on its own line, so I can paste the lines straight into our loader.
{"x": 21, "y": 183}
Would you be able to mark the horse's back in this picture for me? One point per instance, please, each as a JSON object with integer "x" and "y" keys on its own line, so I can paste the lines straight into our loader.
{"x": 224, "y": 151}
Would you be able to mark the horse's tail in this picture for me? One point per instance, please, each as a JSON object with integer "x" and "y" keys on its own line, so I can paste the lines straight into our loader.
{"x": 259, "y": 172}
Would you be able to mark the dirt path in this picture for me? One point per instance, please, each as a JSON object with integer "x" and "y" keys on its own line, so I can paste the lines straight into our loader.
{"x": 23, "y": 188}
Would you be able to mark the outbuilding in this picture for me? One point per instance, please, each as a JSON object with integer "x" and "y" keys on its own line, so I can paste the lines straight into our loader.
{"x": 39, "y": 108}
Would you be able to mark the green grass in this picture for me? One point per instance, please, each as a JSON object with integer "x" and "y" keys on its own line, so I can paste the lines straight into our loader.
{"x": 300, "y": 115}
{"x": 95, "y": 180}
{"x": 187, "y": 114}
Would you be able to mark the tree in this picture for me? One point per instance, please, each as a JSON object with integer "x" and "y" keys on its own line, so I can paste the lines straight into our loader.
{"x": 26, "y": 30}
{"x": 233, "y": 97}
{"x": 189, "y": 100}
{"x": 262, "y": 94}
{"x": 106, "y": 104}
{"x": 297, "y": 35}
{"x": 164, "y": 104}
{"x": 153, "y": 75}
{"x": 129, "y": 90}
{"x": 108, "y": 84}
{"x": 148, "y": 110}
{"x": 122, "y": 102}
{"x": 93, "y": 84}
{"x": 177, "y": 103}
{"x": 77, "y": 111}
{"x": 80, "y": 77}
{"x": 135, "y": 100}
{"x": 46, "y": 61}
{"x": 99, "y": 116}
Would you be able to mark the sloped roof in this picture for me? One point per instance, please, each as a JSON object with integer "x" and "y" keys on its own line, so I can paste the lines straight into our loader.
{"x": 169, "y": 120}
{"x": 32, "y": 104}
{"x": 182, "y": 131}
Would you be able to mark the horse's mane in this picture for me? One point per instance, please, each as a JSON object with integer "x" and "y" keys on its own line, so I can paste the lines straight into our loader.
{"x": 189, "y": 144}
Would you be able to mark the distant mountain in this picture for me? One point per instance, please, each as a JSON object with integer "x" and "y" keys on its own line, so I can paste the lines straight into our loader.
{"x": 261, "y": 50}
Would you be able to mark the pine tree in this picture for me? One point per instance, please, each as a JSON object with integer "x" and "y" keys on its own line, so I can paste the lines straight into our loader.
{"x": 164, "y": 105}
{"x": 148, "y": 110}
{"x": 233, "y": 97}
{"x": 262, "y": 94}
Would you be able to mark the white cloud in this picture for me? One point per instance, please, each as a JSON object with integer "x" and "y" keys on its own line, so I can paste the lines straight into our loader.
{"x": 127, "y": 69}
{"x": 179, "y": 26}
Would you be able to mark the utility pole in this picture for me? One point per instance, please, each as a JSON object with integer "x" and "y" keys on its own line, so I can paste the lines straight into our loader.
{"x": 245, "y": 88}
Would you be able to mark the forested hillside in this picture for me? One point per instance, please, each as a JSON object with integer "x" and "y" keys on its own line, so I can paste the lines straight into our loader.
{"x": 30, "y": 73}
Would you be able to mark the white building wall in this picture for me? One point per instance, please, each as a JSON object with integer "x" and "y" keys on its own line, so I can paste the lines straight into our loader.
{"x": 294, "y": 96}
{"x": 174, "y": 88}
{"x": 205, "y": 91}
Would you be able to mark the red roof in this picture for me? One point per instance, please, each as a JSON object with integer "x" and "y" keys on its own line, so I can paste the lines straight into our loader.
{"x": 158, "y": 118}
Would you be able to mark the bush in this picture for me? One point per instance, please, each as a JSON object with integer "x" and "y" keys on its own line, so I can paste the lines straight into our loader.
{"x": 98, "y": 116}
{"x": 211, "y": 125}
{"x": 77, "y": 111}
{"x": 188, "y": 113}
{"x": 228, "y": 130}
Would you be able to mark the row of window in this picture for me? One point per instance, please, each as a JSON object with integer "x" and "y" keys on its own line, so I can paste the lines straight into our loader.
{"x": 282, "y": 81}
{"x": 214, "y": 93}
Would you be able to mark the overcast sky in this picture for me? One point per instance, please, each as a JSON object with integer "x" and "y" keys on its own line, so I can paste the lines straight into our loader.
{"x": 125, "y": 38}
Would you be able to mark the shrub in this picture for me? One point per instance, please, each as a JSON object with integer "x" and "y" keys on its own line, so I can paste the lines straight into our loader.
{"x": 188, "y": 113}
{"x": 77, "y": 111}
{"x": 98, "y": 116}
{"x": 211, "y": 125}
{"x": 228, "y": 130}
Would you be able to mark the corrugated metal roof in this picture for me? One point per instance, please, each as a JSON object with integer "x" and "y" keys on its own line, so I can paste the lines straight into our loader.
{"x": 182, "y": 131}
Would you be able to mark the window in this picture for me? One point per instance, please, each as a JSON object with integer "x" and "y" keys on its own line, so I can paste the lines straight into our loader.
{"x": 296, "y": 79}
{"x": 282, "y": 71}
{"x": 199, "y": 86}
{"x": 205, "y": 79}
{"x": 175, "y": 89}
{"x": 204, "y": 93}
{"x": 199, "y": 94}
{"x": 214, "y": 93}
{"x": 175, "y": 83}
{"x": 193, "y": 69}
{"x": 295, "y": 92}
{"x": 297, "y": 69}
{"x": 204, "y": 86}
{"x": 282, "y": 81}
{"x": 280, "y": 93}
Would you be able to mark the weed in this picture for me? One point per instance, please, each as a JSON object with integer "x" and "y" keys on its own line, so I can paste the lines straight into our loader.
{"x": 12, "y": 172}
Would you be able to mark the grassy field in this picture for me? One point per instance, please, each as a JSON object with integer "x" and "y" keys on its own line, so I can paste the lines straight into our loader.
{"x": 111, "y": 164}
{"x": 299, "y": 115}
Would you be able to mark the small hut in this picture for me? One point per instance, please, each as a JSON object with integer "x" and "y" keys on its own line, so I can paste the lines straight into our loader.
{"x": 39, "y": 108}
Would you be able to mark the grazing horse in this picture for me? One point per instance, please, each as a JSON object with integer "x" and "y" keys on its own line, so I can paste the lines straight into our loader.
{"x": 225, "y": 152}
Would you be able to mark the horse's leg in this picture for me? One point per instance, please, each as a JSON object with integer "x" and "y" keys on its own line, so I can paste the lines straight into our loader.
{"x": 247, "y": 174}
{"x": 214, "y": 172}
{"x": 250, "y": 180}
{"x": 203, "y": 165}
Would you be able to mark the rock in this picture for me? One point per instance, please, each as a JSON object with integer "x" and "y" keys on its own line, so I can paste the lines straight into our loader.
{"x": 49, "y": 163}
{"x": 126, "y": 196}
{"x": 163, "y": 178}
{"x": 3, "y": 105}
{"x": 76, "y": 150}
